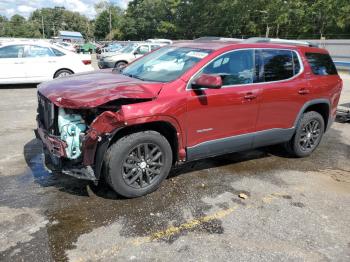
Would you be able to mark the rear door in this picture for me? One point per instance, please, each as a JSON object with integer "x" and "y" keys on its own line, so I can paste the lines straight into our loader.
{"x": 12, "y": 67}
{"x": 41, "y": 62}
{"x": 284, "y": 91}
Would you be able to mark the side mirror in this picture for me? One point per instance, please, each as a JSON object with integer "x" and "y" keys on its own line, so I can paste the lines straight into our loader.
{"x": 207, "y": 81}
{"x": 136, "y": 53}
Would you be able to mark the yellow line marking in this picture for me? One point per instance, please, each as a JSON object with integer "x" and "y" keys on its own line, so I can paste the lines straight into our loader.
{"x": 170, "y": 231}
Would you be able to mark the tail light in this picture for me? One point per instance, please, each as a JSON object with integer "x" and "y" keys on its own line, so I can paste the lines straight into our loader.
{"x": 86, "y": 62}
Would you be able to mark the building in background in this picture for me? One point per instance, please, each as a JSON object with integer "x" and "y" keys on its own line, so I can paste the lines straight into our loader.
{"x": 69, "y": 36}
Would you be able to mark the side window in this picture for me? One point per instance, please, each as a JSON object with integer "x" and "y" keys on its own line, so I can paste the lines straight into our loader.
{"x": 321, "y": 64}
{"x": 296, "y": 64}
{"x": 235, "y": 68}
{"x": 58, "y": 52}
{"x": 39, "y": 51}
{"x": 278, "y": 65}
{"x": 142, "y": 49}
{"x": 12, "y": 51}
{"x": 154, "y": 47}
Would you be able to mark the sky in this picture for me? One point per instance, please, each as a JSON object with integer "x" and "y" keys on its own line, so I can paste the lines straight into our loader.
{"x": 25, "y": 7}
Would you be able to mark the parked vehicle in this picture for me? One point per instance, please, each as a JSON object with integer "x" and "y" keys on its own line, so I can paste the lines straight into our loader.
{"x": 86, "y": 48}
{"x": 185, "y": 102}
{"x": 109, "y": 50}
{"x": 66, "y": 46}
{"x": 163, "y": 41}
{"x": 35, "y": 62}
{"x": 128, "y": 54}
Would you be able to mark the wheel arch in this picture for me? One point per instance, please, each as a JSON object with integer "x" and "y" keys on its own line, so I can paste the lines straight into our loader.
{"x": 167, "y": 129}
{"x": 54, "y": 75}
{"x": 321, "y": 106}
{"x": 123, "y": 60}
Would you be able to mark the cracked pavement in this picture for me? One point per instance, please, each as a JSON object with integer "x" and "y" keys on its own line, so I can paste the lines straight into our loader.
{"x": 296, "y": 209}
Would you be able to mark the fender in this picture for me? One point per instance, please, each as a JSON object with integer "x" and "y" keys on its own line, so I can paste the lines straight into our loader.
{"x": 105, "y": 143}
{"x": 310, "y": 103}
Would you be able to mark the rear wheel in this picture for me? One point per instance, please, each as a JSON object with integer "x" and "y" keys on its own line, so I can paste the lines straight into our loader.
{"x": 62, "y": 73}
{"x": 138, "y": 163}
{"x": 307, "y": 136}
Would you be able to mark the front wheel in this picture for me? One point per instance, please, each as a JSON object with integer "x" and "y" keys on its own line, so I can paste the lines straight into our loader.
{"x": 307, "y": 136}
{"x": 119, "y": 65}
{"x": 137, "y": 163}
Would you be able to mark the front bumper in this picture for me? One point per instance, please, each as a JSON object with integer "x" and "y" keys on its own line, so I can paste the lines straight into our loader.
{"x": 55, "y": 157}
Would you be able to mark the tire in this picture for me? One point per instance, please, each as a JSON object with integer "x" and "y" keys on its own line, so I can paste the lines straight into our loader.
{"x": 128, "y": 173}
{"x": 120, "y": 64}
{"x": 62, "y": 73}
{"x": 308, "y": 135}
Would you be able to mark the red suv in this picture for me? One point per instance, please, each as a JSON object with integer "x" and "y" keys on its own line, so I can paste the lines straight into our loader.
{"x": 184, "y": 102}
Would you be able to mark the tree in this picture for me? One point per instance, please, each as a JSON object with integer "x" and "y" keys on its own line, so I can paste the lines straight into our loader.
{"x": 108, "y": 21}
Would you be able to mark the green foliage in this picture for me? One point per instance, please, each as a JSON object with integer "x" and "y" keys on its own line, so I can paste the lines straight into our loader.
{"x": 188, "y": 19}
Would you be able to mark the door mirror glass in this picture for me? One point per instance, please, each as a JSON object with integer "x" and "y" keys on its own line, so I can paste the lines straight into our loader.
{"x": 207, "y": 81}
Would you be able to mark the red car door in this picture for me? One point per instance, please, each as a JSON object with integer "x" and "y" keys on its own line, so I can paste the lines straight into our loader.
{"x": 284, "y": 91}
{"x": 223, "y": 120}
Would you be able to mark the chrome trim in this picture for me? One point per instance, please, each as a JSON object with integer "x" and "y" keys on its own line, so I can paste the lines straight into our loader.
{"x": 270, "y": 48}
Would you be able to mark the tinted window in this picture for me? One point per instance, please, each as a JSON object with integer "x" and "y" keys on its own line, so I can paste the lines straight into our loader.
{"x": 296, "y": 63}
{"x": 321, "y": 64}
{"x": 235, "y": 68}
{"x": 278, "y": 65}
{"x": 154, "y": 47}
{"x": 39, "y": 51}
{"x": 57, "y": 52}
{"x": 142, "y": 49}
{"x": 12, "y": 51}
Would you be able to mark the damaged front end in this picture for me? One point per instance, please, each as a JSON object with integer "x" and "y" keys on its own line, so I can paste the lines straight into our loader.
{"x": 72, "y": 137}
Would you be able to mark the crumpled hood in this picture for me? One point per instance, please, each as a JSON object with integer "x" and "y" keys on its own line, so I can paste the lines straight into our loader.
{"x": 90, "y": 90}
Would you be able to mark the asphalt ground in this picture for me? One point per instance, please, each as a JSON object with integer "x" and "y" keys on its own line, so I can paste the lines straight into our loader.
{"x": 294, "y": 210}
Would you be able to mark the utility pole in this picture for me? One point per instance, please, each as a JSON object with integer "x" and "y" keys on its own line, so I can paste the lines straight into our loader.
{"x": 267, "y": 31}
{"x": 110, "y": 21}
{"x": 42, "y": 25}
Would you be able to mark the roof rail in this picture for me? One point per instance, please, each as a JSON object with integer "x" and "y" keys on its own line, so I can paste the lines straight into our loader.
{"x": 216, "y": 38}
{"x": 279, "y": 41}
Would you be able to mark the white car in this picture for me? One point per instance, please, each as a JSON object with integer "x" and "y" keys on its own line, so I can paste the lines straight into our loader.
{"x": 36, "y": 62}
{"x": 128, "y": 54}
{"x": 66, "y": 46}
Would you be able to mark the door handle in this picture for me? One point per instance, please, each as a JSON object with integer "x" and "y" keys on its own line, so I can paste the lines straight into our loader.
{"x": 19, "y": 63}
{"x": 249, "y": 96}
{"x": 52, "y": 61}
{"x": 304, "y": 91}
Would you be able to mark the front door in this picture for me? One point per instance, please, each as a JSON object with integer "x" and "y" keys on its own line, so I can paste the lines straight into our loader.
{"x": 223, "y": 120}
{"x": 12, "y": 67}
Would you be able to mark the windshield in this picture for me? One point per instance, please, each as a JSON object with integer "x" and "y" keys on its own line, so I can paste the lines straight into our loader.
{"x": 165, "y": 64}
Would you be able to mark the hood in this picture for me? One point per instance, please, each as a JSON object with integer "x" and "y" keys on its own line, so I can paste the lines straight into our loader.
{"x": 96, "y": 88}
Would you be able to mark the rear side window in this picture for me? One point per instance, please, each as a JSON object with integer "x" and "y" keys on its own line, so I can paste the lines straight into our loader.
{"x": 39, "y": 51}
{"x": 321, "y": 64}
{"x": 57, "y": 52}
{"x": 279, "y": 65}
